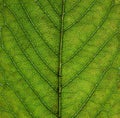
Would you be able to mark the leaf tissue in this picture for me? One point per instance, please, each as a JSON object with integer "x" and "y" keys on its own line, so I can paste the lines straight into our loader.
{"x": 59, "y": 58}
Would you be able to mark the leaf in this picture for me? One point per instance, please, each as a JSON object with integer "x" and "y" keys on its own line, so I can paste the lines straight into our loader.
{"x": 59, "y": 59}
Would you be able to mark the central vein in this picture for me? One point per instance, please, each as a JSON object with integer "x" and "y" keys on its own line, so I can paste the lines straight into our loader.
{"x": 60, "y": 61}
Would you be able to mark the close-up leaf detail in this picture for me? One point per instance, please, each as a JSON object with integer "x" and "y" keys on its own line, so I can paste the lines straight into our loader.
{"x": 59, "y": 58}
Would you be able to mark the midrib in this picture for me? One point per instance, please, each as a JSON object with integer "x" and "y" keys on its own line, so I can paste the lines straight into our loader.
{"x": 60, "y": 61}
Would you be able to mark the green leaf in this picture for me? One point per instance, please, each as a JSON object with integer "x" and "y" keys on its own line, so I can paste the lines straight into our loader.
{"x": 59, "y": 59}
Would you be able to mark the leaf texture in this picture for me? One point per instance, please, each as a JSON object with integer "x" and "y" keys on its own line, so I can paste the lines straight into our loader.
{"x": 59, "y": 59}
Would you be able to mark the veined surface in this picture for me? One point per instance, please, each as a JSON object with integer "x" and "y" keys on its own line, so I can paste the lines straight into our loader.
{"x": 59, "y": 59}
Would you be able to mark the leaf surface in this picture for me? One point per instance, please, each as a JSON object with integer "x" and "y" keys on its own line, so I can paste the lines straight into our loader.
{"x": 59, "y": 59}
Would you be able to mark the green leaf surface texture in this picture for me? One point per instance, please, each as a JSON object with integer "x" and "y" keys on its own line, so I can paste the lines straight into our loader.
{"x": 59, "y": 59}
